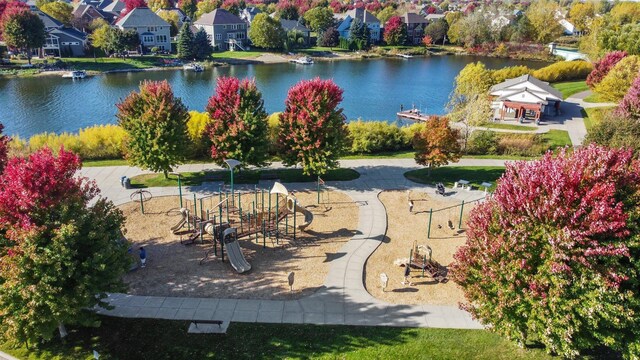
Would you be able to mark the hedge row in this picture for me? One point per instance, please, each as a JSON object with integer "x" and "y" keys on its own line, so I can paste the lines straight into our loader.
{"x": 556, "y": 72}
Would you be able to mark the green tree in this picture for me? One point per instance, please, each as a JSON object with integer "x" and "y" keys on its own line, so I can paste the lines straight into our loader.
{"x": 625, "y": 12}
{"x": 185, "y": 42}
{"x": 312, "y": 129}
{"x": 473, "y": 80}
{"x": 437, "y": 30}
{"x": 614, "y": 86}
{"x": 294, "y": 40}
{"x": 626, "y": 38}
{"x": 437, "y": 143}
{"x": 385, "y": 14}
{"x": 266, "y": 32}
{"x": 542, "y": 16}
{"x": 616, "y": 131}
{"x": 238, "y": 126}
{"x": 156, "y": 5}
{"x": 188, "y": 7}
{"x": 101, "y": 38}
{"x": 59, "y": 10}
{"x": 202, "y": 47}
{"x": 207, "y": 6}
{"x": 60, "y": 256}
{"x": 473, "y": 30}
{"x": 23, "y": 30}
{"x": 319, "y": 19}
{"x": 156, "y": 124}
{"x": 358, "y": 31}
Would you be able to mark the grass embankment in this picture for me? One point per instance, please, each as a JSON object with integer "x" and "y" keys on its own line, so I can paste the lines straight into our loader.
{"x": 119, "y": 338}
{"x": 245, "y": 55}
{"x": 508, "y": 127}
{"x": 571, "y": 87}
{"x": 594, "y": 98}
{"x": 110, "y": 64}
{"x": 244, "y": 177}
{"x": 448, "y": 175}
{"x": 592, "y": 116}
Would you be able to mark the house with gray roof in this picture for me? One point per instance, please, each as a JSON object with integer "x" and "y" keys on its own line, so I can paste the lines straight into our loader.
{"x": 249, "y": 13}
{"x": 226, "y": 31}
{"x": 363, "y": 15}
{"x": 60, "y": 40}
{"x": 525, "y": 95}
{"x": 415, "y": 27}
{"x": 115, "y": 7}
{"x": 151, "y": 28}
{"x": 294, "y": 25}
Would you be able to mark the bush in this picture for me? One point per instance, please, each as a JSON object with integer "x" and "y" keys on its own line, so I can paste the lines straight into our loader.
{"x": 483, "y": 143}
{"x": 564, "y": 71}
{"x": 54, "y": 142}
{"x": 273, "y": 124}
{"x": 509, "y": 73}
{"x": 200, "y": 143}
{"x": 410, "y": 131}
{"x": 101, "y": 142}
{"x": 520, "y": 144}
{"x": 615, "y": 84}
{"x": 375, "y": 136}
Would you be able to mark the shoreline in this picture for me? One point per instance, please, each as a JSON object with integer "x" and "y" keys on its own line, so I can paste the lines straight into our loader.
{"x": 266, "y": 59}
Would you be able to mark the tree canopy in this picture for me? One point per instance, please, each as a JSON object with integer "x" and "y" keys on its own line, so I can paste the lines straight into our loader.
{"x": 23, "y": 30}
{"x": 395, "y": 31}
{"x": 266, "y": 32}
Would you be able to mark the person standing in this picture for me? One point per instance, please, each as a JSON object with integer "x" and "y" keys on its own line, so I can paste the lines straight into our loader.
{"x": 143, "y": 257}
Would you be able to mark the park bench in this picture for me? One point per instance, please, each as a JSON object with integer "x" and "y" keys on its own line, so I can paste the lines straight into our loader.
{"x": 464, "y": 184}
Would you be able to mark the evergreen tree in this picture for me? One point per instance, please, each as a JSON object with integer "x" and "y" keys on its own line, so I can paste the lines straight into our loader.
{"x": 185, "y": 42}
{"x": 202, "y": 47}
{"x": 359, "y": 31}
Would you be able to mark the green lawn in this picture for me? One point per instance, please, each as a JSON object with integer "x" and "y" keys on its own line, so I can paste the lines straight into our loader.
{"x": 237, "y": 54}
{"x": 109, "y": 64}
{"x": 132, "y": 339}
{"x": 244, "y": 177}
{"x": 571, "y": 87}
{"x": 450, "y": 174}
{"x": 405, "y": 154}
{"x": 556, "y": 138}
{"x": 594, "y": 98}
{"x": 593, "y": 116}
{"x": 493, "y": 125}
{"x": 321, "y": 49}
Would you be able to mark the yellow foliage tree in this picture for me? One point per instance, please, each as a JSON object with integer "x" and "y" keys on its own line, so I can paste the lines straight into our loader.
{"x": 615, "y": 85}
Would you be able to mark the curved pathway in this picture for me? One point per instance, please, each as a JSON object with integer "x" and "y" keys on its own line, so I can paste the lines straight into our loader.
{"x": 342, "y": 300}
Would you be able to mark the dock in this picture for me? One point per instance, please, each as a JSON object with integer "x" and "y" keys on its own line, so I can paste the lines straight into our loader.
{"x": 413, "y": 115}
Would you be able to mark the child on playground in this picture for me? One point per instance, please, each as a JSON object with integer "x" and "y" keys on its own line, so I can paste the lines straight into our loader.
{"x": 407, "y": 273}
{"x": 143, "y": 257}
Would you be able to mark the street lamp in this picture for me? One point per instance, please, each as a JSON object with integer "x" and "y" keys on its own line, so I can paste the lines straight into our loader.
{"x": 232, "y": 163}
{"x": 179, "y": 186}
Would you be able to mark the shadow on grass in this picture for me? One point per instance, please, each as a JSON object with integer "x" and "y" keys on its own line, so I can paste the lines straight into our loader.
{"x": 476, "y": 175}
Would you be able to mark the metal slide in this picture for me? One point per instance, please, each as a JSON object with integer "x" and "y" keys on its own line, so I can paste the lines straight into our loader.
{"x": 234, "y": 253}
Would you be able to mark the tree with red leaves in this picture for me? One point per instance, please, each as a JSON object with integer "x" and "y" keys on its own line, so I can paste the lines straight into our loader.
{"x": 312, "y": 131}
{"x": 395, "y": 31}
{"x": 338, "y": 7}
{"x": 59, "y": 255}
{"x": 156, "y": 124}
{"x": 554, "y": 255}
{"x": 10, "y": 7}
{"x": 427, "y": 40}
{"x": 238, "y": 127}
{"x": 431, "y": 10}
{"x": 132, "y": 4}
{"x": 4, "y": 148}
{"x": 601, "y": 68}
{"x": 629, "y": 107}
{"x": 437, "y": 143}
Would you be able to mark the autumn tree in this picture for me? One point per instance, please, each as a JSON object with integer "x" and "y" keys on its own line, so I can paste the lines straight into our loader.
{"x": 59, "y": 255}
{"x": 206, "y": 6}
{"x": 581, "y": 15}
{"x": 267, "y": 32}
{"x": 132, "y": 4}
{"x": 629, "y": 107}
{"x": 329, "y": 38}
{"x": 474, "y": 112}
{"x": 238, "y": 125}
{"x": 156, "y": 124}
{"x": 312, "y": 129}
{"x": 557, "y": 261}
{"x": 23, "y": 30}
{"x": 395, "y": 31}
{"x": 4, "y": 148}
{"x": 59, "y": 10}
{"x": 437, "y": 143}
{"x": 473, "y": 80}
{"x": 173, "y": 19}
{"x": 288, "y": 11}
{"x": 156, "y": 5}
{"x": 319, "y": 19}
{"x": 385, "y": 14}
{"x": 542, "y": 16}
{"x": 615, "y": 84}
{"x": 602, "y": 67}
{"x": 616, "y": 131}
{"x": 188, "y": 7}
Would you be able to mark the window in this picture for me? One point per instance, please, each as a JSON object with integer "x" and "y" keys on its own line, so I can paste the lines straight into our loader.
{"x": 71, "y": 43}
{"x": 161, "y": 38}
{"x": 147, "y": 39}
{"x": 218, "y": 36}
{"x": 231, "y": 36}
{"x": 240, "y": 36}
{"x": 152, "y": 29}
{"x": 224, "y": 27}
{"x": 51, "y": 41}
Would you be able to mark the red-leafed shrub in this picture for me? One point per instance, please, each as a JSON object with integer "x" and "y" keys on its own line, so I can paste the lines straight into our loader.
{"x": 601, "y": 68}
{"x": 312, "y": 128}
{"x": 553, "y": 255}
{"x": 629, "y": 107}
{"x": 238, "y": 123}
{"x": 4, "y": 148}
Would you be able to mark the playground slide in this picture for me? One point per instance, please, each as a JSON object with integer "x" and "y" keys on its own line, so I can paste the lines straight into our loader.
{"x": 234, "y": 253}
{"x": 308, "y": 217}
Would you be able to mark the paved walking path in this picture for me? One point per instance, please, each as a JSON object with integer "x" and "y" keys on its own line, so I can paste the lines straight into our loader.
{"x": 343, "y": 299}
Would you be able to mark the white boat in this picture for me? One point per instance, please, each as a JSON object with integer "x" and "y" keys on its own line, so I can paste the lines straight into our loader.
{"x": 305, "y": 60}
{"x": 77, "y": 74}
{"x": 195, "y": 67}
{"x": 405, "y": 56}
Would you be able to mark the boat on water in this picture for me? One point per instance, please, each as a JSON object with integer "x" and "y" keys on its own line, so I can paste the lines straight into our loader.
{"x": 405, "y": 56}
{"x": 305, "y": 60}
{"x": 195, "y": 67}
{"x": 77, "y": 74}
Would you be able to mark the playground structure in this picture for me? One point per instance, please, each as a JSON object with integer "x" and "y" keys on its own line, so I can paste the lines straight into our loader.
{"x": 227, "y": 217}
{"x": 420, "y": 257}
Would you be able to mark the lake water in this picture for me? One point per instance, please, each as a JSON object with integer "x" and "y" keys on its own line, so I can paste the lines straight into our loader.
{"x": 373, "y": 90}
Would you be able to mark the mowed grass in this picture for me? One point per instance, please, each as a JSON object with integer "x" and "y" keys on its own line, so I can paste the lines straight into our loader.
{"x": 109, "y": 64}
{"x": 132, "y": 339}
{"x": 243, "y": 177}
{"x": 503, "y": 126}
{"x": 556, "y": 138}
{"x": 448, "y": 175}
{"x": 571, "y": 87}
{"x": 593, "y": 116}
{"x": 237, "y": 54}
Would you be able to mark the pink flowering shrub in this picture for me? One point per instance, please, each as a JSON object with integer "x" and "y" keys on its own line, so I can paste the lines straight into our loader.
{"x": 554, "y": 255}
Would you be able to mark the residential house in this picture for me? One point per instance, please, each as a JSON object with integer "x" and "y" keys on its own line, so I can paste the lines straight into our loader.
{"x": 434, "y": 17}
{"x": 151, "y": 28}
{"x": 115, "y": 7}
{"x": 60, "y": 40}
{"x": 84, "y": 14}
{"x": 249, "y": 13}
{"x": 290, "y": 25}
{"x": 415, "y": 27}
{"x": 226, "y": 31}
{"x": 567, "y": 27}
{"x": 366, "y": 17}
{"x": 525, "y": 96}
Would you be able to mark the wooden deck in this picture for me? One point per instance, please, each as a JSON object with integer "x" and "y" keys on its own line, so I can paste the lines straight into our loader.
{"x": 413, "y": 115}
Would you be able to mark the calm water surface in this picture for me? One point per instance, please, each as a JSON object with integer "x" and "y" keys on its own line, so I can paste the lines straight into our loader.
{"x": 373, "y": 90}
